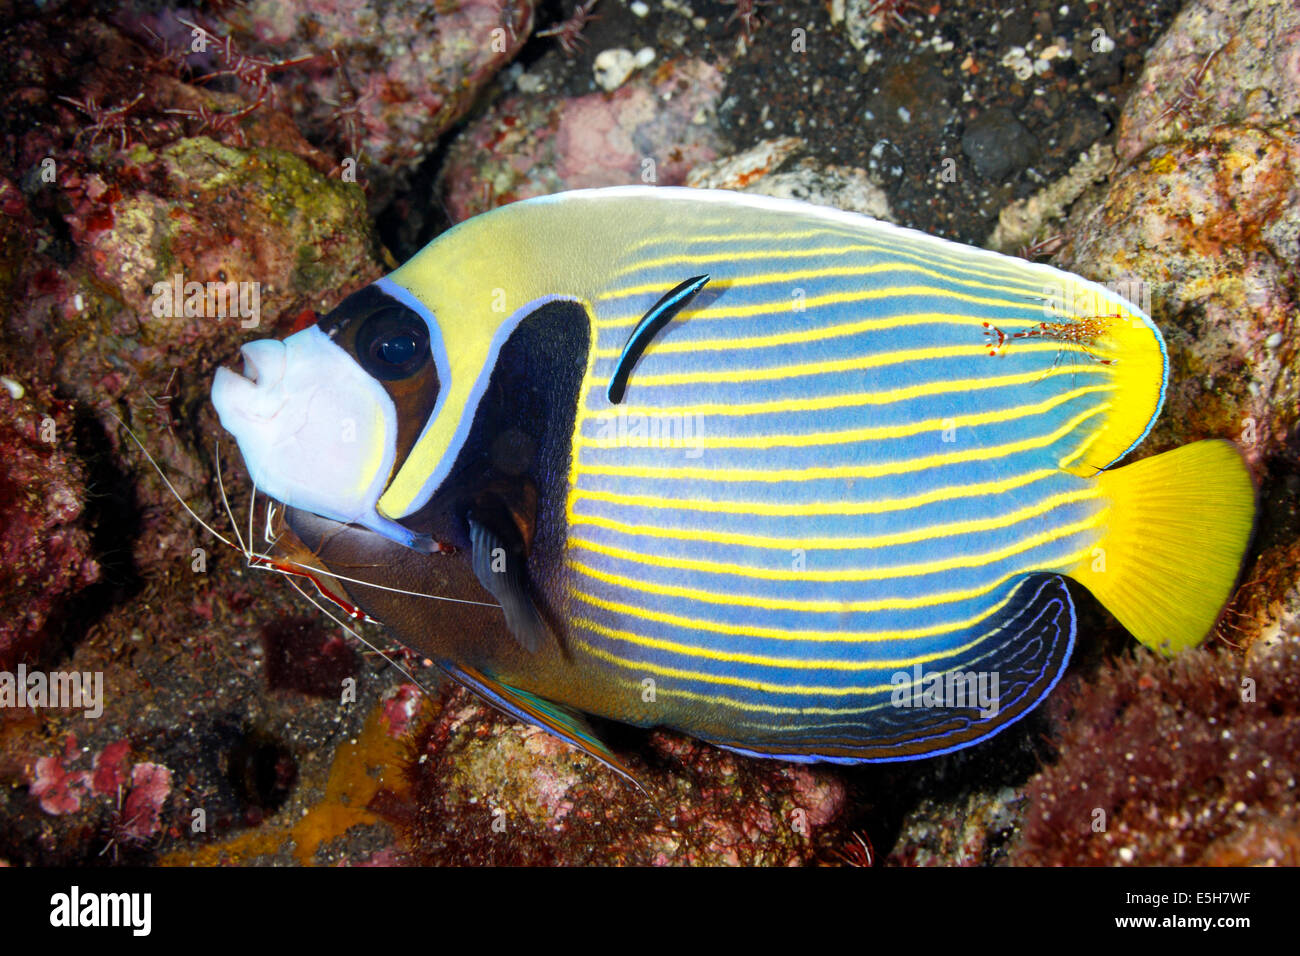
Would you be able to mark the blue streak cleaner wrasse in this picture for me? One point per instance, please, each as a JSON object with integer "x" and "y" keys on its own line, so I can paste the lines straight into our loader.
{"x": 790, "y": 480}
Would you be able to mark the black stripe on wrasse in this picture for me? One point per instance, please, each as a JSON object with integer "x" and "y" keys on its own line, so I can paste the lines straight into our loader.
{"x": 660, "y": 314}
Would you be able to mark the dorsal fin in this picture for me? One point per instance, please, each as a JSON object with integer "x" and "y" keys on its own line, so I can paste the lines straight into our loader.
{"x": 568, "y": 725}
{"x": 660, "y": 314}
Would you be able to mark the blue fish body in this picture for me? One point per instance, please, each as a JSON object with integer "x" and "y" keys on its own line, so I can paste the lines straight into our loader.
{"x": 790, "y": 480}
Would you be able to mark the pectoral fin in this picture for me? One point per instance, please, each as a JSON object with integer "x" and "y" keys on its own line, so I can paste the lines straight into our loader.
{"x": 502, "y": 568}
{"x": 569, "y": 725}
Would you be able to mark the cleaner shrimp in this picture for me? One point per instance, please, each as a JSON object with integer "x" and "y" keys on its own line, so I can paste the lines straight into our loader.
{"x": 285, "y": 566}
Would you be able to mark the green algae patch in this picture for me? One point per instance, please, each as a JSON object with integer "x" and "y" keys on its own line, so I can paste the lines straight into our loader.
{"x": 204, "y": 163}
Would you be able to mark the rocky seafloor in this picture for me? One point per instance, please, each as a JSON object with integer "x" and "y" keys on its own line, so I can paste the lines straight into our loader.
{"x": 310, "y": 146}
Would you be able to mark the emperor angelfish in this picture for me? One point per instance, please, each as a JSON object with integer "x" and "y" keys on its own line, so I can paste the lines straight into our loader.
{"x": 790, "y": 480}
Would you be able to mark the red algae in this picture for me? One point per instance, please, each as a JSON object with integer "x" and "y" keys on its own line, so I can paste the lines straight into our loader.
{"x": 487, "y": 790}
{"x": 1172, "y": 761}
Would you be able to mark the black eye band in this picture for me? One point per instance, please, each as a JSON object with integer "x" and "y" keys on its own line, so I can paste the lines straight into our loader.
{"x": 393, "y": 344}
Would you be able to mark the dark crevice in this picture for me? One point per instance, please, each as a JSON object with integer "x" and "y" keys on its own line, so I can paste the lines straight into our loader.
{"x": 114, "y": 521}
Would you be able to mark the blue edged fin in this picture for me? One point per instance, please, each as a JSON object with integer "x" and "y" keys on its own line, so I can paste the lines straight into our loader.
{"x": 1027, "y": 649}
{"x": 503, "y": 573}
{"x": 660, "y": 314}
{"x": 569, "y": 725}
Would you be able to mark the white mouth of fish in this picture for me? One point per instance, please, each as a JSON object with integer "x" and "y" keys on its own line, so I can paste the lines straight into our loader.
{"x": 250, "y": 367}
{"x": 315, "y": 431}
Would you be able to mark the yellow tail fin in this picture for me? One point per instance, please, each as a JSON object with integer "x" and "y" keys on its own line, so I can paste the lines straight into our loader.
{"x": 1171, "y": 550}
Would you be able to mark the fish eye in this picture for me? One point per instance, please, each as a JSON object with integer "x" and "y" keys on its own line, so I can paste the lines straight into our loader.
{"x": 392, "y": 344}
